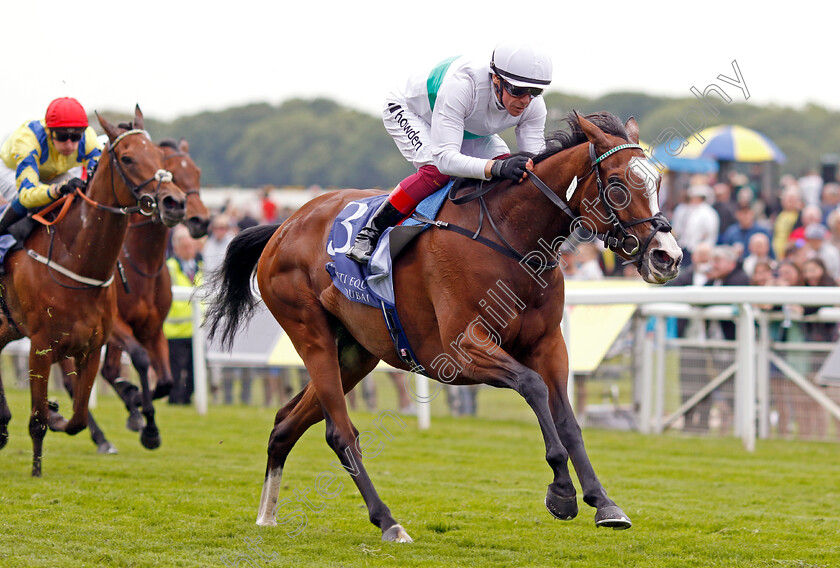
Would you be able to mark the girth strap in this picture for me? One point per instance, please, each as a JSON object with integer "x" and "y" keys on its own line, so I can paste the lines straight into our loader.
{"x": 68, "y": 273}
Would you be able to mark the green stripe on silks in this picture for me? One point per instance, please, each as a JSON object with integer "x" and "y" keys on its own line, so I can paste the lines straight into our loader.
{"x": 433, "y": 84}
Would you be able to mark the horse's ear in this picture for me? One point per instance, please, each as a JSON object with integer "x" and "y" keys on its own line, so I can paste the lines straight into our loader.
{"x": 109, "y": 128}
{"x": 138, "y": 118}
{"x": 632, "y": 128}
{"x": 593, "y": 133}
{"x": 184, "y": 146}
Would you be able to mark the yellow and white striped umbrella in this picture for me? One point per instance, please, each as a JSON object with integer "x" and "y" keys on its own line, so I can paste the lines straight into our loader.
{"x": 732, "y": 143}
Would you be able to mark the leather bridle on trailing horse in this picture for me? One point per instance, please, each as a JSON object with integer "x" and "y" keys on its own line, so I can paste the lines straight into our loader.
{"x": 146, "y": 205}
{"x": 617, "y": 237}
{"x": 153, "y": 220}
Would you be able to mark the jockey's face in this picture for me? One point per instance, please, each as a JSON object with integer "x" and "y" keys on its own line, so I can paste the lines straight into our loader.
{"x": 66, "y": 140}
{"x": 514, "y": 105}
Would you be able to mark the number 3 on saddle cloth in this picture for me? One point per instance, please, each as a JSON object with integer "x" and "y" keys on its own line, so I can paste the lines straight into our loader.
{"x": 373, "y": 284}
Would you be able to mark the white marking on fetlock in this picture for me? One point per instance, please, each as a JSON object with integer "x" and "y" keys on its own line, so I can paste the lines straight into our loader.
{"x": 268, "y": 498}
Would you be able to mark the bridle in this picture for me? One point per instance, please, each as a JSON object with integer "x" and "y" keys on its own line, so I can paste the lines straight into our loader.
{"x": 146, "y": 203}
{"x": 181, "y": 155}
{"x": 618, "y": 237}
{"x": 154, "y": 220}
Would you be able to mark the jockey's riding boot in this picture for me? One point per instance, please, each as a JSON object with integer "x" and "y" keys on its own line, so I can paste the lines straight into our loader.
{"x": 386, "y": 216}
{"x": 8, "y": 218}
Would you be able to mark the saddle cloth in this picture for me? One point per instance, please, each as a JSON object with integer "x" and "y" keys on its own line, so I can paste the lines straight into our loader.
{"x": 373, "y": 284}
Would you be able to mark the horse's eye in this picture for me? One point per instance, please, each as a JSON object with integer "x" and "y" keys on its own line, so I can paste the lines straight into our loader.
{"x": 615, "y": 180}
{"x": 126, "y": 160}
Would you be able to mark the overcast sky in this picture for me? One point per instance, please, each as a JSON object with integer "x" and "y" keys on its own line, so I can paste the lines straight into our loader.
{"x": 179, "y": 57}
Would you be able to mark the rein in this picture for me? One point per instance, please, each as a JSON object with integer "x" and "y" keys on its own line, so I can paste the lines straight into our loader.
{"x": 617, "y": 237}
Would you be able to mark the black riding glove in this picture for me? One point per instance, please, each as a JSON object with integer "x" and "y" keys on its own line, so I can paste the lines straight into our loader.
{"x": 512, "y": 168}
{"x": 71, "y": 185}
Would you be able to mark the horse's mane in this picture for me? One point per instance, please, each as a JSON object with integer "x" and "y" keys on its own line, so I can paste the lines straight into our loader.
{"x": 169, "y": 143}
{"x": 560, "y": 140}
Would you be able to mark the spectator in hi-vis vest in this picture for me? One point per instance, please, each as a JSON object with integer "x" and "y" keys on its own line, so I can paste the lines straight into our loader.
{"x": 185, "y": 269}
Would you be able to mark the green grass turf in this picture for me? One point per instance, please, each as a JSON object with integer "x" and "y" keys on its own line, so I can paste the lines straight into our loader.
{"x": 469, "y": 491}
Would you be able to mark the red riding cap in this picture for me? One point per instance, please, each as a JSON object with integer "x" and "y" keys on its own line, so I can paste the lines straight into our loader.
{"x": 66, "y": 112}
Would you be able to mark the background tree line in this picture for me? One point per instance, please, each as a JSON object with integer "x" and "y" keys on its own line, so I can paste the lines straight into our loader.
{"x": 319, "y": 142}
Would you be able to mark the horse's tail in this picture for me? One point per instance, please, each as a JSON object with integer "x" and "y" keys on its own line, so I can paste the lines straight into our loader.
{"x": 232, "y": 301}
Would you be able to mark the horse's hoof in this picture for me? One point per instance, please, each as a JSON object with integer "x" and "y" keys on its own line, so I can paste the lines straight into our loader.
{"x": 267, "y": 521}
{"x": 150, "y": 438}
{"x": 396, "y": 534}
{"x": 106, "y": 448}
{"x": 612, "y": 517}
{"x": 135, "y": 421}
{"x": 563, "y": 508}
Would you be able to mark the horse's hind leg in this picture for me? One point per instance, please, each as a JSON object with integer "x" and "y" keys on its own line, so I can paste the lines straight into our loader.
{"x": 5, "y": 416}
{"x": 103, "y": 446}
{"x": 342, "y": 437}
{"x": 291, "y": 422}
{"x": 554, "y": 371}
{"x": 128, "y": 392}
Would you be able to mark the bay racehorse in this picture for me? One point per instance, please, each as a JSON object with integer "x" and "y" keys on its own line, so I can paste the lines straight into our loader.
{"x": 143, "y": 303}
{"x": 594, "y": 176}
{"x": 65, "y": 303}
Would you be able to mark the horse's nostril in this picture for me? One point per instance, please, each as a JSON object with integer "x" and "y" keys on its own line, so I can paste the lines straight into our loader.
{"x": 662, "y": 260}
{"x": 172, "y": 204}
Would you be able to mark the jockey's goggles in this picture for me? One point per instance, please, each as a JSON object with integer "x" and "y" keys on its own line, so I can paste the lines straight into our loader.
{"x": 65, "y": 135}
{"x": 518, "y": 92}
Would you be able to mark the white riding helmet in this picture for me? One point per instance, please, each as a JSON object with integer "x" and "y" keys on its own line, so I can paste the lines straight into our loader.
{"x": 523, "y": 64}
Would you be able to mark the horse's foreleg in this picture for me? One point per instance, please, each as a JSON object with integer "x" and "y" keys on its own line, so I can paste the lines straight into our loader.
{"x": 158, "y": 350}
{"x": 103, "y": 446}
{"x": 150, "y": 435}
{"x": 40, "y": 418}
{"x": 86, "y": 367}
{"x": 497, "y": 368}
{"x": 555, "y": 371}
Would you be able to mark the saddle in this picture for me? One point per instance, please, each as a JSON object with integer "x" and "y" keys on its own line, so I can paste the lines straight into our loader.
{"x": 373, "y": 284}
{"x": 18, "y": 233}
{"x": 14, "y": 239}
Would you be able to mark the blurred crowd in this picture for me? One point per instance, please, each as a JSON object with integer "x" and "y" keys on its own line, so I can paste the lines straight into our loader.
{"x": 791, "y": 239}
